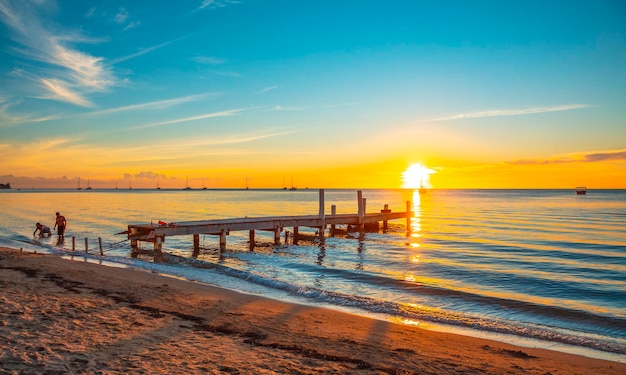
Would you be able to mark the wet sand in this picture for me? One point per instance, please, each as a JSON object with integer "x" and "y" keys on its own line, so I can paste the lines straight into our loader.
{"x": 59, "y": 316}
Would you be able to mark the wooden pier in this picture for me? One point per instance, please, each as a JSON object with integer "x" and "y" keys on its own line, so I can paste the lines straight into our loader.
{"x": 156, "y": 233}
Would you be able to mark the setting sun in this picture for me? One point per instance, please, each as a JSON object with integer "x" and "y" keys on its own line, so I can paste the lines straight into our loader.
{"x": 416, "y": 176}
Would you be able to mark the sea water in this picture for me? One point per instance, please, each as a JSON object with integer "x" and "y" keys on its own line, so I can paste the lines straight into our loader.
{"x": 540, "y": 268}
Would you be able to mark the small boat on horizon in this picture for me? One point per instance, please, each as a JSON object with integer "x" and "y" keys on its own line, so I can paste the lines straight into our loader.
{"x": 188, "y": 187}
{"x": 581, "y": 190}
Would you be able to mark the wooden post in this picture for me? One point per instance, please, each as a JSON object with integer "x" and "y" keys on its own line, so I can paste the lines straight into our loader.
{"x": 295, "y": 235}
{"x": 408, "y": 218}
{"x": 73, "y": 243}
{"x": 286, "y": 237}
{"x": 359, "y": 197}
{"x": 158, "y": 249}
{"x": 322, "y": 215}
{"x": 277, "y": 235}
{"x": 252, "y": 243}
{"x": 333, "y": 212}
{"x": 385, "y": 210}
{"x": 361, "y": 209}
{"x": 86, "y": 245}
{"x": 100, "y": 245}
{"x": 223, "y": 241}
{"x": 196, "y": 245}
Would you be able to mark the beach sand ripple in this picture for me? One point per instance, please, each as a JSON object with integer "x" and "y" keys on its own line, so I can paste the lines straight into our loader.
{"x": 72, "y": 317}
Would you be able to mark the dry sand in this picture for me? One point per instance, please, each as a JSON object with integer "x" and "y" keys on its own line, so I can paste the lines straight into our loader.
{"x": 71, "y": 317}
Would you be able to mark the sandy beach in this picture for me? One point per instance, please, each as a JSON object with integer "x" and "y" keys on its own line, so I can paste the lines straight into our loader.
{"x": 59, "y": 316}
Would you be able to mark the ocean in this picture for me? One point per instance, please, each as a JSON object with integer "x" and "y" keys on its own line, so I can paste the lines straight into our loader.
{"x": 538, "y": 268}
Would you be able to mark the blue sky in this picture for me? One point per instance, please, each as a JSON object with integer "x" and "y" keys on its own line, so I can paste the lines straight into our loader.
{"x": 333, "y": 93}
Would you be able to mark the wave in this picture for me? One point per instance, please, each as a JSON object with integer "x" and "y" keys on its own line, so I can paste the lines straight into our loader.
{"x": 434, "y": 315}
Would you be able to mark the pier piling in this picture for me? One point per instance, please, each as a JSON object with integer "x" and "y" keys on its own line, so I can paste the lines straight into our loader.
{"x": 276, "y": 224}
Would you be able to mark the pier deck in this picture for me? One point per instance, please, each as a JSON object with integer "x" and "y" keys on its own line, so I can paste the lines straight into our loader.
{"x": 156, "y": 233}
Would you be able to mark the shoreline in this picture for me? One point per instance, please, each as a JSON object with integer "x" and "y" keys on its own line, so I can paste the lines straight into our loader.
{"x": 72, "y": 316}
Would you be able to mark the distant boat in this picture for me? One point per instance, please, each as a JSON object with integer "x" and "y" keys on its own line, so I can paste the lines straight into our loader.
{"x": 88, "y": 186}
{"x": 422, "y": 189}
{"x": 581, "y": 190}
{"x": 203, "y": 187}
{"x": 79, "y": 188}
{"x": 187, "y": 188}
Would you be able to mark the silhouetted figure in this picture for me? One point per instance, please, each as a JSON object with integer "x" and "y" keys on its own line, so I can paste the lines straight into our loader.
{"x": 44, "y": 231}
{"x": 60, "y": 225}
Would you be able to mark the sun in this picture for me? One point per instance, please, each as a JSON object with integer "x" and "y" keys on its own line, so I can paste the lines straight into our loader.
{"x": 416, "y": 176}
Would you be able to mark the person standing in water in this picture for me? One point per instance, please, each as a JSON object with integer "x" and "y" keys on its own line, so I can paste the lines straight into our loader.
{"x": 61, "y": 223}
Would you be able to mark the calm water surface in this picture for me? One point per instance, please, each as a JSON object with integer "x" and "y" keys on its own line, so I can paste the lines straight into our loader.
{"x": 515, "y": 265}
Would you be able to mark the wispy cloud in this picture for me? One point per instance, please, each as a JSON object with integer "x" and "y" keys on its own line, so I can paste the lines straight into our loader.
{"x": 121, "y": 16}
{"x": 511, "y": 112}
{"x": 61, "y": 90}
{"x": 230, "y": 112}
{"x": 266, "y": 89}
{"x": 159, "y": 104}
{"x": 141, "y": 52}
{"x": 215, "y": 4}
{"x": 8, "y": 119}
{"x": 209, "y": 60}
{"x": 582, "y": 157}
{"x": 68, "y": 74}
{"x": 283, "y": 108}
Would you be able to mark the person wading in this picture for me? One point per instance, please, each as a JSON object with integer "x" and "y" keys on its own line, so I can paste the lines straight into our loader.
{"x": 60, "y": 225}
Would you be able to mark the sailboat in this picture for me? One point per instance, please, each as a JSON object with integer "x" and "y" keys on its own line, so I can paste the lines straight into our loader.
{"x": 203, "y": 187}
{"x": 88, "y": 186}
{"x": 422, "y": 189}
{"x": 158, "y": 186}
{"x": 292, "y": 188}
{"x": 79, "y": 188}
{"x": 247, "y": 188}
{"x": 187, "y": 187}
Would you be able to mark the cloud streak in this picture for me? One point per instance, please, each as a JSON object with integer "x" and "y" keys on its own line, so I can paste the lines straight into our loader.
{"x": 230, "y": 112}
{"x": 511, "y": 112}
{"x": 68, "y": 74}
{"x": 584, "y": 157}
{"x": 141, "y": 52}
{"x": 159, "y": 104}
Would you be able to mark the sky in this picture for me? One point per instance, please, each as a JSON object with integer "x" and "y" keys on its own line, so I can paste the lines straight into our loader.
{"x": 315, "y": 94}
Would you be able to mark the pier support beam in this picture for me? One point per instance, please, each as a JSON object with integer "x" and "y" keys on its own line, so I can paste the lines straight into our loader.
{"x": 134, "y": 248}
{"x": 333, "y": 212}
{"x": 408, "y": 218}
{"x": 196, "y": 245}
{"x": 295, "y": 235}
{"x": 222, "y": 241}
{"x": 385, "y": 210}
{"x": 251, "y": 243}
{"x": 361, "y": 205}
{"x": 158, "y": 249}
{"x": 277, "y": 236}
